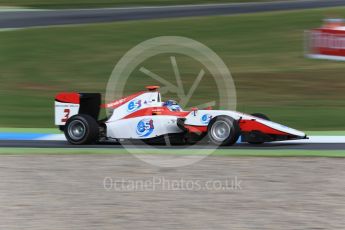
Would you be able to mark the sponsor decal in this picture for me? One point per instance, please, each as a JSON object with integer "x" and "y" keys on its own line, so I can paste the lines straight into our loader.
{"x": 116, "y": 103}
{"x": 134, "y": 105}
{"x": 205, "y": 119}
{"x": 145, "y": 127}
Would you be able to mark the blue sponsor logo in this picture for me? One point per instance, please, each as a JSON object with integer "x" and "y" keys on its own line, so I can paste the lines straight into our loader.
{"x": 134, "y": 105}
{"x": 145, "y": 127}
{"x": 205, "y": 119}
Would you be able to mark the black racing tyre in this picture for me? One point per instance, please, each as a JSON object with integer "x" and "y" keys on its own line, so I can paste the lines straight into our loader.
{"x": 81, "y": 129}
{"x": 223, "y": 130}
{"x": 262, "y": 116}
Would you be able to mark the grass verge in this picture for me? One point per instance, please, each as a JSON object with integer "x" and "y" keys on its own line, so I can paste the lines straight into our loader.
{"x": 264, "y": 52}
{"x": 31, "y": 130}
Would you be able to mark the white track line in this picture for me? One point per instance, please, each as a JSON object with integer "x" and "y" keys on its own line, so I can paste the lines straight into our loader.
{"x": 18, "y": 9}
{"x": 10, "y": 29}
{"x": 53, "y": 137}
{"x": 204, "y": 5}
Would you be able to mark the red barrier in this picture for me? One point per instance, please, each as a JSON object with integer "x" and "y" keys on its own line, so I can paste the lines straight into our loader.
{"x": 327, "y": 42}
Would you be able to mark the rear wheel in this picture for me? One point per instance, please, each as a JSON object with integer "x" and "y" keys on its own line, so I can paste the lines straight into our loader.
{"x": 81, "y": 129}
{"x": 223, "y": 130}
{"x": 264, "y": 117}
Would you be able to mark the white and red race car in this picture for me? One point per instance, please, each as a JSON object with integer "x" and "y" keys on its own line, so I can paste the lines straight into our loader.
{"x": 143, "y": 116}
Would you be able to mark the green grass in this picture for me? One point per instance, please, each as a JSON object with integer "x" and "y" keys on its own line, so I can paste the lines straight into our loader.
{"x": 264, "y": 52}
{"x": 108, "y": 3}
{"x": 219, "y": 152}
{"x": 31, "y": 130}
{"x": 325, "y": 133}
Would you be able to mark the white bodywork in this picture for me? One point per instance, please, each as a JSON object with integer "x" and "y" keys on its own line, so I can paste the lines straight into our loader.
{"x": 63, "y": 111}
{"x": 149, "y": 126}
{"x": 195, "y": 118}
{"x": 127, "y": 128}
{"x": 145, "y": 100}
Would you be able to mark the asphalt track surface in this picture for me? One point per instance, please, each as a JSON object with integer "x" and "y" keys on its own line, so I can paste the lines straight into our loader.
{"x": 22, "y": 19}
{"x": 266, "y": 146}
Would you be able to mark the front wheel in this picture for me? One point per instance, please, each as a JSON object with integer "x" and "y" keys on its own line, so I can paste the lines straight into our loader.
{"x": 81, "y": 129}
{"x": 223, "y": 130}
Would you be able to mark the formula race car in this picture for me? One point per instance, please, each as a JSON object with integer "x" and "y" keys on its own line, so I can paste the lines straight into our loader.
{"x": 143, "y": 116}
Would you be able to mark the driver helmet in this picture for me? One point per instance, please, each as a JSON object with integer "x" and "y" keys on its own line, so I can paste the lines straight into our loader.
{"x": 172, "y": 105}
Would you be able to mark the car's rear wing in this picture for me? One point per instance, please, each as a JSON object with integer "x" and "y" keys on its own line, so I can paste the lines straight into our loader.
{"x": 68, "y": 104}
